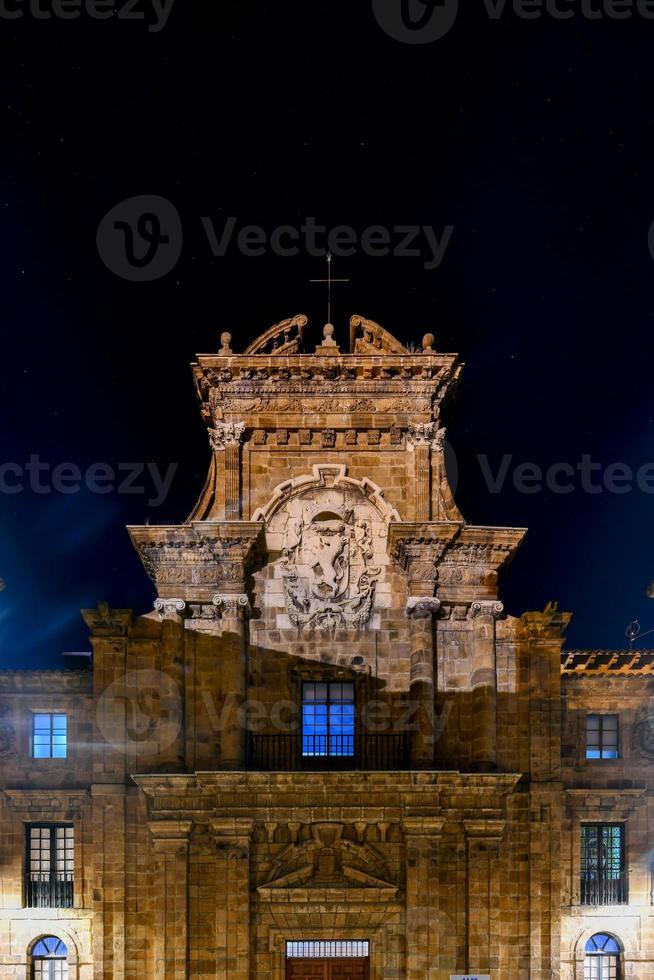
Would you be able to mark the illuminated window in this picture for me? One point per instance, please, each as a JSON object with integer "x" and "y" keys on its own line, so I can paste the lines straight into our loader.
{"x": 602, "y": 958}
{"x": 50, "y": 959}
{"x": 50, "y": 866}
{"x": 328, "y": 949}
{"x": 603, "y": 874}
{"x": 49, "y": 736}
{"x": 602, "y": 737}
{"x": 328, "y": 719}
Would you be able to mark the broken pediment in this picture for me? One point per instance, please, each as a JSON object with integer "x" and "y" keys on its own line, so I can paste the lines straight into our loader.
{"x": 328, "y": 861}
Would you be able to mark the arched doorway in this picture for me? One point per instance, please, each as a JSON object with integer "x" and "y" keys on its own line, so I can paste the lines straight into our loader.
{"x": 50, "y": 959}
{"x": 602, "y": 960}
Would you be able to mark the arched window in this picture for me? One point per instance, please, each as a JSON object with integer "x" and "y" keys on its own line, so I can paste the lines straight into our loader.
{"x": 602, "y": 958}
{"x": 50, "y": 959}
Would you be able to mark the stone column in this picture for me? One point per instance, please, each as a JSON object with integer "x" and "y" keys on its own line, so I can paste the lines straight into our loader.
{"x": 227, "y": 438}
{"x": 484, "y": 906}
{"x": 484, "y": 685}
{"x": 420, "y": 611}
{"x": 171, "y": 846}
{"x": 233, "y": 897}
{"x": 234, "y": 679}
{"x": 422, "y": 842}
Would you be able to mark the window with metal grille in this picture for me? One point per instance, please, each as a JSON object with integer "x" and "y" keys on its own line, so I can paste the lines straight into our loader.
{"x": 603, "y": 873}
{"x": 602, "y": 958}
{"x": 328, "y": 717}
{"x": 328, "y": 949}
{"x": 49, "y": 736}
{"x": 50, "y": 866}
{"x": 602, "y": 737}
{"x": 49, "y": 959}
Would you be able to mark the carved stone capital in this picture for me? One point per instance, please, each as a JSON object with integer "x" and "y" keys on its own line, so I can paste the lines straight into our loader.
{"x": 232, "y": 604}
{"x": 492, "y": 609}
{"x": 422, "y": 607}
{"x": 170, "y": 608}
{"x": 233, "y": 837}
{"x": 426, "y": 434}
{"x": 226, "y": 434}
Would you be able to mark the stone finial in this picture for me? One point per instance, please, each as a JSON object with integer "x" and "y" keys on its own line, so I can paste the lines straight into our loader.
{"x": 428, "y": 342}
{"x": 329, "y": 345}
{"x": 225, "y": 340}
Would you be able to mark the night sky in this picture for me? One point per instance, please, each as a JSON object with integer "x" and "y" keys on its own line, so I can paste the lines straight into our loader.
{"x": 533, "y": 139}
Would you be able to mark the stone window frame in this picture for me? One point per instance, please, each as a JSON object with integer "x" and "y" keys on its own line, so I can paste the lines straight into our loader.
{"x": 32, "y": 807}
{"x": 72, "y": 957}
{"x": 607, "y": 806}
{"x": 578, "y": 951}
{"x": 619, "y": 740}
{"x": 27, "y": 750}
{"x": 51, "y": 825}
{"x": 323, "y": 673}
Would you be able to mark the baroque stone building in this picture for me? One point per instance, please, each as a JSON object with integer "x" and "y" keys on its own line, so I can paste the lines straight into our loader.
{"x": 327, "y": 752}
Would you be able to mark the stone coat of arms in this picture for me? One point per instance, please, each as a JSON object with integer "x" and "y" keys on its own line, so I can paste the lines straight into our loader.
{"x": 329, "y": 578}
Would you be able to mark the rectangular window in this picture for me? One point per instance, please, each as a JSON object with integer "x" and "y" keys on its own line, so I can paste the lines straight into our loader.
{"x": 602, "y": 737}
{"x": 328, "y": 717}
{"x": 50, "y": 866}
{"x": 603, "y": 873}
{"x": 49, "y": 736}
{"x": 327, "y": 949}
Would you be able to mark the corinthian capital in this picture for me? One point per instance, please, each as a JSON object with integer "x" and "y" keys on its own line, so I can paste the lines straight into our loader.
{"x": 426, "y": 434}
{"x": 493, "y": 609}
{"x": 226, "y": 434}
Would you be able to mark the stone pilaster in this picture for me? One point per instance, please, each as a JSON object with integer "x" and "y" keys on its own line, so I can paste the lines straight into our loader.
{"x": 422, "y": 436}
{"x": 171, "y": 846}
{"x": 420, "y": 611}
{"x": 226, "y": 440}
{"x": 483, "y": 681}
{"x": 171, "y": 751}
{"x": 232, "y": 838}
{"x": 233, "y": 737}
{"x": 109, "y": 892}
{"x": 422, "y": 842}
{"x": 483, "y": 838}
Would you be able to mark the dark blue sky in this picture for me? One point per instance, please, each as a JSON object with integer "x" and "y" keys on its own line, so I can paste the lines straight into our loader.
{"x": 534, "y": 140}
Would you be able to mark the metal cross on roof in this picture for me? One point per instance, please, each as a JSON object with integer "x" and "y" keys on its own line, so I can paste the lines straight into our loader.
{"x": 330, "y": 282}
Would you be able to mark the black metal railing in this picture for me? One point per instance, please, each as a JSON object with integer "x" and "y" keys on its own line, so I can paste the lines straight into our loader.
{"x": 293, "y": 753}
{"x": 46, "y": 891}
{"x": 597, "y": 889}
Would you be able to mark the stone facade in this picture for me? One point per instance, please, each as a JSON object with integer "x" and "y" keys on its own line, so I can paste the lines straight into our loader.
{"x": 326, "y": 548}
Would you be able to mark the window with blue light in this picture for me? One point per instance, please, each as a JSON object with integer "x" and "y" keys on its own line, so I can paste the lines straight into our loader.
{"x": 602, "y": 958}
{"x": 602, "y": 737}
{"x": 49, "y": 736}
{"x": 328, "y": 719}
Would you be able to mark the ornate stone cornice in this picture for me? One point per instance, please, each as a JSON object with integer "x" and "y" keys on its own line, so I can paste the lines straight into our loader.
{"x": 419, "y": 548}
{"x": 226, "y": 434}
{"x": 193, "y": 562}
